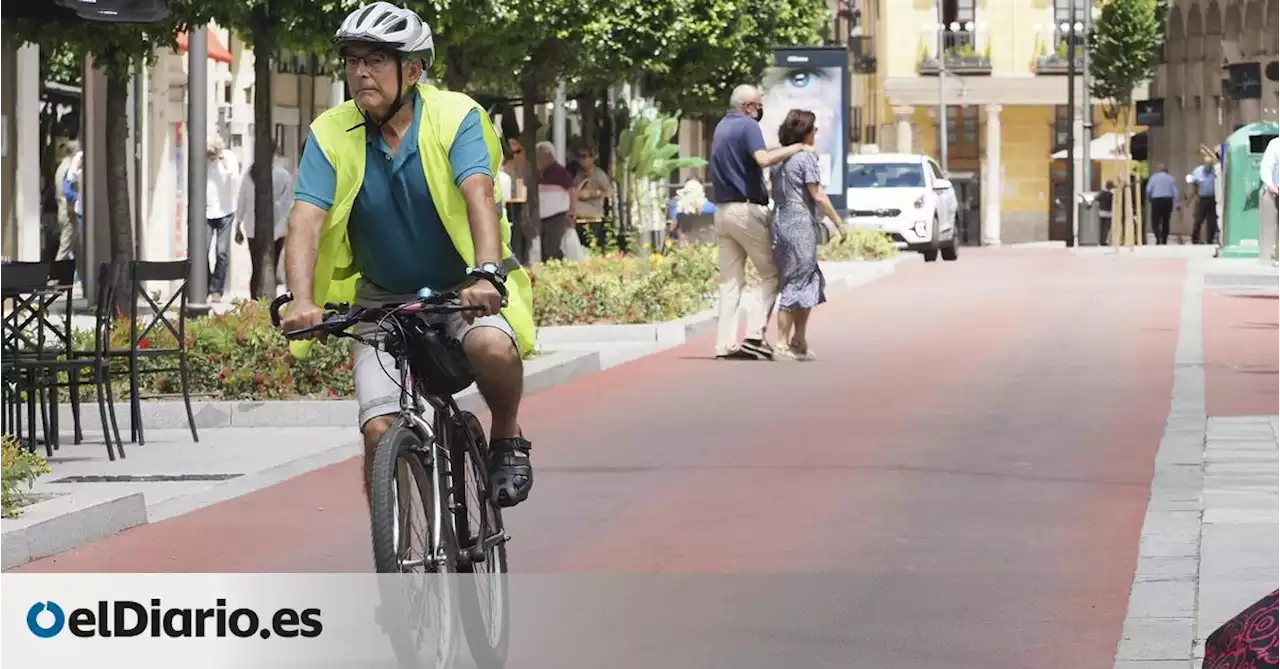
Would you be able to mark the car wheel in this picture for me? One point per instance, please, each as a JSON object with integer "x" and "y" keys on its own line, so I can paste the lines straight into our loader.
{"x": 949, "y": 249}
{"x": 931, "y": 253}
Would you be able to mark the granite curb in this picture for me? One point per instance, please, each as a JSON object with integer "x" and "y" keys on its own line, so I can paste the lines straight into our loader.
{"x": 1160, "y": 623}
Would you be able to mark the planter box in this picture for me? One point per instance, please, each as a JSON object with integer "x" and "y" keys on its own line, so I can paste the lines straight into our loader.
{"x": 1056, "y": 64}
{"x": 962, "y": 65}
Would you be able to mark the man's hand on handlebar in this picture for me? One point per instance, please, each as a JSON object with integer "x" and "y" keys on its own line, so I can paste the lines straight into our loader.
{"x": 484, "y": 299}
{"x": 302, "y": 314}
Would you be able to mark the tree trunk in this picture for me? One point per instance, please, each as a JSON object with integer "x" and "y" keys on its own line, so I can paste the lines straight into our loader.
{"x": 119, "y": 218}
{"x": 263, "y": 242}
{"x": 589, "y": 109}
{"x": 528, "y": 137}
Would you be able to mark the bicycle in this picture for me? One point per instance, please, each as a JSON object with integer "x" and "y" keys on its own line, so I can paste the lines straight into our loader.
{"x": 446, "y": 458}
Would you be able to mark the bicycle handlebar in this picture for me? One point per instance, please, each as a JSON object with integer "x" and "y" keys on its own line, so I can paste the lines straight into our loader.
{"x": 339, "y": 317}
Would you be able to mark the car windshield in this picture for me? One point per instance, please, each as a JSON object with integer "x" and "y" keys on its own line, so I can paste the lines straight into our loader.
{"x": 886, "y": 175}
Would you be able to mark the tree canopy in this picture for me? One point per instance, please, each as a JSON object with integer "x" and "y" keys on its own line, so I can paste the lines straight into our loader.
{"x": 1125, "y": 44}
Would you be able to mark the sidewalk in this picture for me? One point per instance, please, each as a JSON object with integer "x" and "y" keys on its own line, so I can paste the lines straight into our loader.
{"x": 1209, "y": 544}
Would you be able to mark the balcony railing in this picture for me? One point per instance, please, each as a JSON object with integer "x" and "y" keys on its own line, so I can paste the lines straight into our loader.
{"x": 1056, "y": 61}
{"x": 961, "y": 53}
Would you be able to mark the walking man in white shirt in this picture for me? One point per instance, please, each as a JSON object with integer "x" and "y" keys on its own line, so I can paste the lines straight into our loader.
{"x": 222, "y": 176}
{"x": 1268, "y": 209}
{"x": 246, "y": 221}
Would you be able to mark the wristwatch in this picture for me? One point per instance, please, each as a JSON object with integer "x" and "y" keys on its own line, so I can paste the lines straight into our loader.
{"x": 493, "y": 273}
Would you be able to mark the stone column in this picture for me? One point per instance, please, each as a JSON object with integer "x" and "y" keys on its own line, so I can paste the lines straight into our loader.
{"x": 26, "y": 151}
{"x": 903, "y": 128}
{"x": 992, "y": 186}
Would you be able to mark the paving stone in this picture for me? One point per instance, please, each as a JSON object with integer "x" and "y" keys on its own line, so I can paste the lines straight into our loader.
{"x": 1162, "y": 599}
{"x": 1156, "y": 639}
{"x": 1158, "y": 546}
{"x": 1242, "y": 516}
{"x": 1152, "y": 568}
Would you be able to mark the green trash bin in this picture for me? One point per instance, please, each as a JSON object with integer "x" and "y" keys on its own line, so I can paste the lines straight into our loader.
{"x": 1242, "y": 153}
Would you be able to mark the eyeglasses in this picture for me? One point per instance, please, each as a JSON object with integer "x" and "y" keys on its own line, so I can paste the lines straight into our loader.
{"x": 375, "y": 60}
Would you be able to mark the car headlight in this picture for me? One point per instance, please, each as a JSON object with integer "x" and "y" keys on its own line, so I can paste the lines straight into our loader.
{"x": 919, "y": 202}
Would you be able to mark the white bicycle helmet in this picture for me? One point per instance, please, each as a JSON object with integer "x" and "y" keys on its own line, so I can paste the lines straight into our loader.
{"x": 397, "y": 28}
{"x": 385, "y": 24}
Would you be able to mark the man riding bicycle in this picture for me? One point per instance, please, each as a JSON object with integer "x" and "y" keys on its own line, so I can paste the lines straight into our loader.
{"x": 395, "y": 192}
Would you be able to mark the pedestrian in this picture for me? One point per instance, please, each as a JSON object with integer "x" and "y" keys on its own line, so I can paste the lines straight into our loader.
{"x": 556, "y": 204}
{"x": 690, "y": 200}
{"x": 738, "y": 159}
{"x": 222, "y": 173}
{"x": 801, "y": 206}
{"x": 592, "y": 186}
{"x": 66, "y": 194}
{"x": 1162, "y": 190}
{"x": 1204, "y": 178}
{"x": 1106, "y": 200}
{"x": 247, "y": 222}
{"x": 1269, "y": 207}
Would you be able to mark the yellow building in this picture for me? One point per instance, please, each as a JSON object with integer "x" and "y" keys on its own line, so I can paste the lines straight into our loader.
{"x": 1006, "y": 97}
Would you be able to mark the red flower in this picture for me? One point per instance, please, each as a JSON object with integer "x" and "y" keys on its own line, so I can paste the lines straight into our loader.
{"x": 144, "y": 343}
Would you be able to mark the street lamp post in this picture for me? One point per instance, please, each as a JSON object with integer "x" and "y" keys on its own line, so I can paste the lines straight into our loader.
{"x": 1071, "y": 131}
{"x": 942, "y": 90}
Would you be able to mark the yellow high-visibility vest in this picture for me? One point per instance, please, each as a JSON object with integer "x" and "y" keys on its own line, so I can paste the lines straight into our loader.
{"x": 442, "y": 114}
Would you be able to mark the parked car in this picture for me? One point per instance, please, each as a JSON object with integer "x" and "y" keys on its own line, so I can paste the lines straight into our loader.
{"x": 906, "y": 196}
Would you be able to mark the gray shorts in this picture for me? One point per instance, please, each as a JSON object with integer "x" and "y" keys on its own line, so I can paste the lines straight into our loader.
{"x": 376, "y": 377}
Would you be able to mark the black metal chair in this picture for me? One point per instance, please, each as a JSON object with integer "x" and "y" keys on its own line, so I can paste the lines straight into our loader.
{"x": 160, "y": 320}
{"x": 22, "y": 285}
{"x": 75, "y": 363}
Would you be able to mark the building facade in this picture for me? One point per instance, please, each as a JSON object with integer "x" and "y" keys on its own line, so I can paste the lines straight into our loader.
{"x": 1206, "y": 37}
{"x": 1006, "y": 99}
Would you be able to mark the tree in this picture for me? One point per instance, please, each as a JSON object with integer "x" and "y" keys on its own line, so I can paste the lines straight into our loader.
{"x": 270, "y": 26}
{"x": 718, "y": 44}
{"x": 1124, "y": 46}
{"x": 116, "y": 48}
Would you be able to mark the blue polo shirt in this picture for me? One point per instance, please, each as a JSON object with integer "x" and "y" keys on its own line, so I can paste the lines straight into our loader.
{"x": 1203, "y": 178}
{"x": 735, "y": 174}
{"x": 399, "y": 241}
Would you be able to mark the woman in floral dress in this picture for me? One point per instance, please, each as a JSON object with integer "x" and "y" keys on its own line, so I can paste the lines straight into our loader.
{"x": 800, "y": 206}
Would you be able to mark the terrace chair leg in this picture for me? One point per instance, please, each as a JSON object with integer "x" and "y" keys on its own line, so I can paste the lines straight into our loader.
{"x": 42, "y": 393}
{"x": 102, "y": 411}
{"x": 111, "y": 403}
{"x": 136, "y": 399}
{"x": 31, "y": 414}
{"x": 73, "y": 385}
{"x": 186, "y": 395}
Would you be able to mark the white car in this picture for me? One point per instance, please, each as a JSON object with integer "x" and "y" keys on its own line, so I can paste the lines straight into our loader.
{"x": 906, "y": 196}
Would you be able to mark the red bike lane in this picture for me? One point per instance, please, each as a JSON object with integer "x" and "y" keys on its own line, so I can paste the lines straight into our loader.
{"x": 968, "y": 462}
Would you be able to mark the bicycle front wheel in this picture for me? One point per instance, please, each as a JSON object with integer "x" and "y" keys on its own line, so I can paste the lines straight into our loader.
{"x": 412, "y": 536}
{"x": 486, "y": 613}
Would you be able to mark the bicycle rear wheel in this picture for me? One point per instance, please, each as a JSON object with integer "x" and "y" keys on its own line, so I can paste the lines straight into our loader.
{"x": 485, "y": 608}
{"x": 412, "y": 535}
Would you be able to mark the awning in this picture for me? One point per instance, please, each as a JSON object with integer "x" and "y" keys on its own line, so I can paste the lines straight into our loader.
{"x": 216, "y": 50}
{"x": 1103, "y": 148}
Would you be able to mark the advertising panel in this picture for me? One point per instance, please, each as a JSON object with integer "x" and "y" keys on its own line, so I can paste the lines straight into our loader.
{"x": 814, "y": 79}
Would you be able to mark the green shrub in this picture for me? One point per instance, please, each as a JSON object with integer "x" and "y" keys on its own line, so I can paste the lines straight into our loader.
{"x": 618, "y": 288}
{"x": 19, "y": 467}
{"x": 859, "y": 245}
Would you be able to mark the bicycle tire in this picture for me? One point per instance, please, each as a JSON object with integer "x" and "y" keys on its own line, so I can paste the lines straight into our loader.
{"x": 401, "y": 444}
{"x": 489, "y": 645}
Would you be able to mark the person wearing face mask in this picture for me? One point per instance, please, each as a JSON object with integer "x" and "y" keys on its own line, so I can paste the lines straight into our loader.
{"x": 738, "y": 159}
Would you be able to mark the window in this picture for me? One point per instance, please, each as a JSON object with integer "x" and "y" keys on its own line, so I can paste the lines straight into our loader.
{"x": 961, "y": 13}
{"x": 1061, "y": 127}
{"x": 1062, "y": 14}
{"x": 886, "y": 175}
{"x": 962, "y": 124}
{"x": 937, "y": 171}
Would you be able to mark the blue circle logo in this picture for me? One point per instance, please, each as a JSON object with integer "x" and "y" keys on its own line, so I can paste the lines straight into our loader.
{"x": 54, "y": 626}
